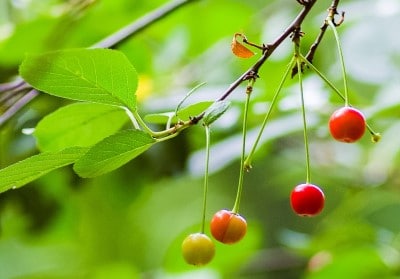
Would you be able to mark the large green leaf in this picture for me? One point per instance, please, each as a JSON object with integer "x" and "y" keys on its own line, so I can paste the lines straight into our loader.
{"x": 113, "y": 152}
{"x": 95, "y": 75}
{"x": 79, "y": 124}
{"x": 27, "y": 170}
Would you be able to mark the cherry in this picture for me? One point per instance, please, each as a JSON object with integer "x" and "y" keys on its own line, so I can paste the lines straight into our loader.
{"x": 228, "y": 227}
{"x": 347, "y": 124}
{"x": 307, "y": 200}
{"x": 198, "y": 249}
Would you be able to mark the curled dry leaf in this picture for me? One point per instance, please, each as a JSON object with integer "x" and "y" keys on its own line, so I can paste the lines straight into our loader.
{"x": 239, "y": 49}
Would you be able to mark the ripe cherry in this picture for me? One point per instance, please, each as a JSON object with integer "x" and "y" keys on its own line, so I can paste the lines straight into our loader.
{"x": 347, "y": 124}
{"x": 307, "y": 200}
{"x": 228, "y": 227}
{"x": 198, "y": 249}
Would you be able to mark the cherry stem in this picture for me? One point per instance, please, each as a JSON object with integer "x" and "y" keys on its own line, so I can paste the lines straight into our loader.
{"x": 303, "y": 111}
{"x": 297, "y": 55}
{"x": 341, "y": 58}
{"x": 137, "y": 121}
{"x": 164, "y": 135}
{"x": 247, "y": 163}
{"x": 203, "y": 221}
{"x": 374, "y": 134}
{"x": 242, "y": 157}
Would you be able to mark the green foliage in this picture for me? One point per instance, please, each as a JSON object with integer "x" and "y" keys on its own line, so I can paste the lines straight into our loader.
{"x": 130, "y": 221}
{"x": 78, "y": 124}
{"x": 27, "y": 170}
{"x": 113, "y": 152}
{"x": 97, "y": 75}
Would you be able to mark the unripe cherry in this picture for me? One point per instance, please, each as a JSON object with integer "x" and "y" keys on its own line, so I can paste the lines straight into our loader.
{"x": 228, "y": 227}
{"x": 198, "y": 249}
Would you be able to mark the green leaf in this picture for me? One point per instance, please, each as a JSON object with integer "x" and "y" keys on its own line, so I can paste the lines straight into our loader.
{"x": 183, "y": 114}
{"x": 79, "y": 124}
{"x": 178, "y": 107}
{"x": 193, "y": 110}
{"x": 27, "y": 170}
{"x": 113, "y": 152}
{"x": 215, "y": 111}
{"x": 161, "y": 118}
{"x": 94, "y": 75}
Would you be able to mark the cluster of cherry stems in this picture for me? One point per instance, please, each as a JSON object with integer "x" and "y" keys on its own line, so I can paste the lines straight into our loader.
{"x": 346, "y": 124}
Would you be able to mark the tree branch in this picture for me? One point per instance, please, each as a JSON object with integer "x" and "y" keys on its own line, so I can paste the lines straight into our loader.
{"x": 332, "y": 11}
{"x": 20, "y": 103}
{"x": 252, "y": 72}
{"x": 145, "y": 21}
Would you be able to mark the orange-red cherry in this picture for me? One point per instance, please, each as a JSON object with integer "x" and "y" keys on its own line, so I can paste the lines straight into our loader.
{"x": 228, "y": 227}
{"x": 347, "y": 124}
{"x": 307, "y": 200}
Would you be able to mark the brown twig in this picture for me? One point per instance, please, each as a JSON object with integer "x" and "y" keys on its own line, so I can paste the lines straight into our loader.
{"x": 332, "y": 11}
{"x": 138, "y": 25}
{"x": 20, "y": 103}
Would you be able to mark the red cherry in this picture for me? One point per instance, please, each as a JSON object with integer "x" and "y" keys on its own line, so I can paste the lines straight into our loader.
{"x": 307, "y": 200}
{"x": 198, "y": 249}
{"x": 347, "y": 124}
{"x": 228, "y": 227}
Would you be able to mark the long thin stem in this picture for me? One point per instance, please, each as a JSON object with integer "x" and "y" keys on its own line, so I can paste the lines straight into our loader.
{"x": 341, "y": 58}
{"x": 242, "y": 157}
{"x": 303, "y": 112}
{"x": 178, "y": 107}
{"x": 375, "y": 136}
{"x": 247, "y": 163}
{"x": 299, "y": 60}
{"x": 205, "y": 189}
{"x": 322, "y": 76}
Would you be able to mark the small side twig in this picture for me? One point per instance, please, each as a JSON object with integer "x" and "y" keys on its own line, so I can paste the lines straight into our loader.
{"x": 332, "y": 11}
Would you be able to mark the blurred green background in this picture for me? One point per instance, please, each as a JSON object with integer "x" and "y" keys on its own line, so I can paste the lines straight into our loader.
{"x": 130, "y": 223}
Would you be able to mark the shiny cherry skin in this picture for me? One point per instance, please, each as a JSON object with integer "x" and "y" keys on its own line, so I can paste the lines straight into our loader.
{"x": 307, "y": 200}
{"x": 347, "y": 124}
{"x": 198, "y": 249}
{"x": 228, "y": 227}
